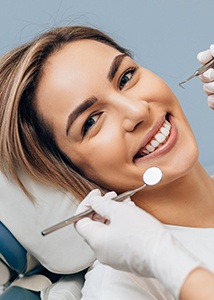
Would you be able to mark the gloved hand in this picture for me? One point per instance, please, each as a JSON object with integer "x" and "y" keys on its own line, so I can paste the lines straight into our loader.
{"x": 134, "y": 241}
{"x": 208, "y": 77}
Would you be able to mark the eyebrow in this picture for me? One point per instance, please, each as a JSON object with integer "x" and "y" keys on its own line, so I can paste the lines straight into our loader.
{"x": 115, "y": 65}
{"x": 90, "y": 101}
{"x": 79, "y": 110}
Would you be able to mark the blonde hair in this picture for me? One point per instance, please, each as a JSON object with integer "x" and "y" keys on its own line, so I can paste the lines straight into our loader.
{"x": 26, "y": 140}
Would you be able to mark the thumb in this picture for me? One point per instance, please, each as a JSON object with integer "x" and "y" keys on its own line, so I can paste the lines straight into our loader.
{"x": 84, "y": 226}
{"x": 85, "y": 204}
{"x": 93, "y": 232}
{"x": 105, "y": 206}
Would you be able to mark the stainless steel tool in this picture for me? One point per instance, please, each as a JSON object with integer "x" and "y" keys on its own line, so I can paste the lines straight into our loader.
{"x": 200, "y": 71}
{"x": 151, "y": 177}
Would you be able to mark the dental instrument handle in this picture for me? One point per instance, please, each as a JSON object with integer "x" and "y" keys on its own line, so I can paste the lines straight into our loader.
{"x": 199, "y": 71}
{"x": 127, "y": 194}
{"x": 69, "y": 221}
{"x": 151, "y": 177}
{"x": 88, "y": 212}
{"x": 205, "y": 67}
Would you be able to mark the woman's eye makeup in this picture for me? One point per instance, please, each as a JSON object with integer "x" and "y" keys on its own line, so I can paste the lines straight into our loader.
{"x": 89, "y": 123}
{"x": 126, "y": 77}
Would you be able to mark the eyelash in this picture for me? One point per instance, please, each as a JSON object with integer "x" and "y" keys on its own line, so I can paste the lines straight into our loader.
{"x": 86, "y": 127}
{"x": 124, "y": 76}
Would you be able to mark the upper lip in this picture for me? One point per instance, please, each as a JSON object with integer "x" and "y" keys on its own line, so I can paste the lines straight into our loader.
{"x": 151, "y": 133}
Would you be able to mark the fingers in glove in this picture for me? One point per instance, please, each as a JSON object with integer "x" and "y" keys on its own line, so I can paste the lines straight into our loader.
{"x": 204, "y": 56}
{"x": 128, "y": 201}
{"x": 105, "y": 206}
{"x": 207, "y": 76}
{"x": 83, "y": 226}
{"x": 210, "y": 101}
{"x": 87, "y": 224}
{"x": 96, "y": 217}
{"x": 212, "y": 50}
{"x": 85, "y": 204}
{"x": 209, "y": 88}
{"x": 90, "y": 230}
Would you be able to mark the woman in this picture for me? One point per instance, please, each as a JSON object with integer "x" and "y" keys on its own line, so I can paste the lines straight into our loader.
{"x": 77, "y": 112}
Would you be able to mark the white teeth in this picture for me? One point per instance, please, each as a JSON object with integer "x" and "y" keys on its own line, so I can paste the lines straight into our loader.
{"x": 145, "y": 151}
{"x": 158, "y": 139}
{"x": 167, "y": 125}
{"x": 155, "y": 143}
{"x": 150, "y": 148}
{"x": 164, "y": 131}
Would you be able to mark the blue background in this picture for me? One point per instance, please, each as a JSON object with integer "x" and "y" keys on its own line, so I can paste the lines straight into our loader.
{"x": 164, "y": 35}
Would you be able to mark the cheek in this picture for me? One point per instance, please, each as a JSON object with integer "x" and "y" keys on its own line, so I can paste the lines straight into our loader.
{"x": 100, "y": 159}
{"x": 155, "y": 91}
{"x": 100, "y": 162}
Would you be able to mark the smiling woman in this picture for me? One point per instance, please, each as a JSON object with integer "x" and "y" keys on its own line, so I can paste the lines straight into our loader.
{"x": 84, "y": 119}
{"x": 77, "y": 112}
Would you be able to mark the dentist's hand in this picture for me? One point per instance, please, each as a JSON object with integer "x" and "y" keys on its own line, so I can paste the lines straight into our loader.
{"x": 208, "y": 77}
{"x": 134, "y": 241}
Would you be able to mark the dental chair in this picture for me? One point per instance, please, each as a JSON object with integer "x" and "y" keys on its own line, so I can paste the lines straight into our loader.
{"x": 33, "y": 266}
{"x": 19, "y": 270}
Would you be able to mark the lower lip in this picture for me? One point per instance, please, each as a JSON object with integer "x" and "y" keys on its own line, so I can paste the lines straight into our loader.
{"x": 166, "y": 147}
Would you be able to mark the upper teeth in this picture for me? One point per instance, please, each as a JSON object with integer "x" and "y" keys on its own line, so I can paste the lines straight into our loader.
{"x": 158, "y": 139}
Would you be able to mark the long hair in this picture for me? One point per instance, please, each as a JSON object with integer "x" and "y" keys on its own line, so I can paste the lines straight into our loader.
{"x": 26, "y": 140}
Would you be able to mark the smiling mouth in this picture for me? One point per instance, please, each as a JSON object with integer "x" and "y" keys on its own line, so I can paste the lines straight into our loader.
{"x": 156, "y": 141}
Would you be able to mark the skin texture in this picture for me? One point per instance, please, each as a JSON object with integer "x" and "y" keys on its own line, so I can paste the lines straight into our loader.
{"x": 127, "y": 111}
{"x": 198, "y": 286}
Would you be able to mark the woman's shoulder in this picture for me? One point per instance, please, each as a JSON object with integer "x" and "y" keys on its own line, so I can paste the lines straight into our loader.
{"x": 200, "y": 241}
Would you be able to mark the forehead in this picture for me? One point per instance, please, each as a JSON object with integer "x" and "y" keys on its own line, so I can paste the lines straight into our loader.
{"x": 81, "y": 54}
{"x": 77, "y": 62}
{"x": 72, "y": 74}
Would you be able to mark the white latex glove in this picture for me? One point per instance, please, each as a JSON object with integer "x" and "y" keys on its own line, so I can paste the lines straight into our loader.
{"x": 134, "y": 241}
{"x": 207, "y": 77}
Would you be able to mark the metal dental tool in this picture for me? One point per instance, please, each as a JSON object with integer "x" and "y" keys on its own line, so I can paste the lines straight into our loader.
{"x": 201, "y": 70}
{"x": 151, "y": 177}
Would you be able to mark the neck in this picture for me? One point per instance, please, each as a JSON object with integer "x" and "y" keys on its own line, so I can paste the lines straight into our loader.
{"x": 188, "y": 201}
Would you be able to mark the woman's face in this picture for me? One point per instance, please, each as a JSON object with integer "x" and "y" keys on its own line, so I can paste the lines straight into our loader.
{"x": 112, "y": 117}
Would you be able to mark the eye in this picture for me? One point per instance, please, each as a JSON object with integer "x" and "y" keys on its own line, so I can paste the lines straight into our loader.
{"x": 126, "y": 77}
{"x": 90, "y": 122}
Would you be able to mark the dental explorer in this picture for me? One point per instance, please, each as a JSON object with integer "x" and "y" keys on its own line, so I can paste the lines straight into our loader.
{"x": 199, "y": 71}
{"x": 151, "y": 177}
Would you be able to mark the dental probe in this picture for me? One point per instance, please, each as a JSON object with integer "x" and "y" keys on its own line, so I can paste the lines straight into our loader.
{"x": 151, "y": 177}
{"x": 200, "y": 71}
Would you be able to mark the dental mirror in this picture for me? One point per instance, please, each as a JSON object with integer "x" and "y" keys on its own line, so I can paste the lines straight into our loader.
{"x": 151, "y": 177}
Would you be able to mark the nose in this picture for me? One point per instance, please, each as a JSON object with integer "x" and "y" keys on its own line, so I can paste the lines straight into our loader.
{"x": 133, "y": 112}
